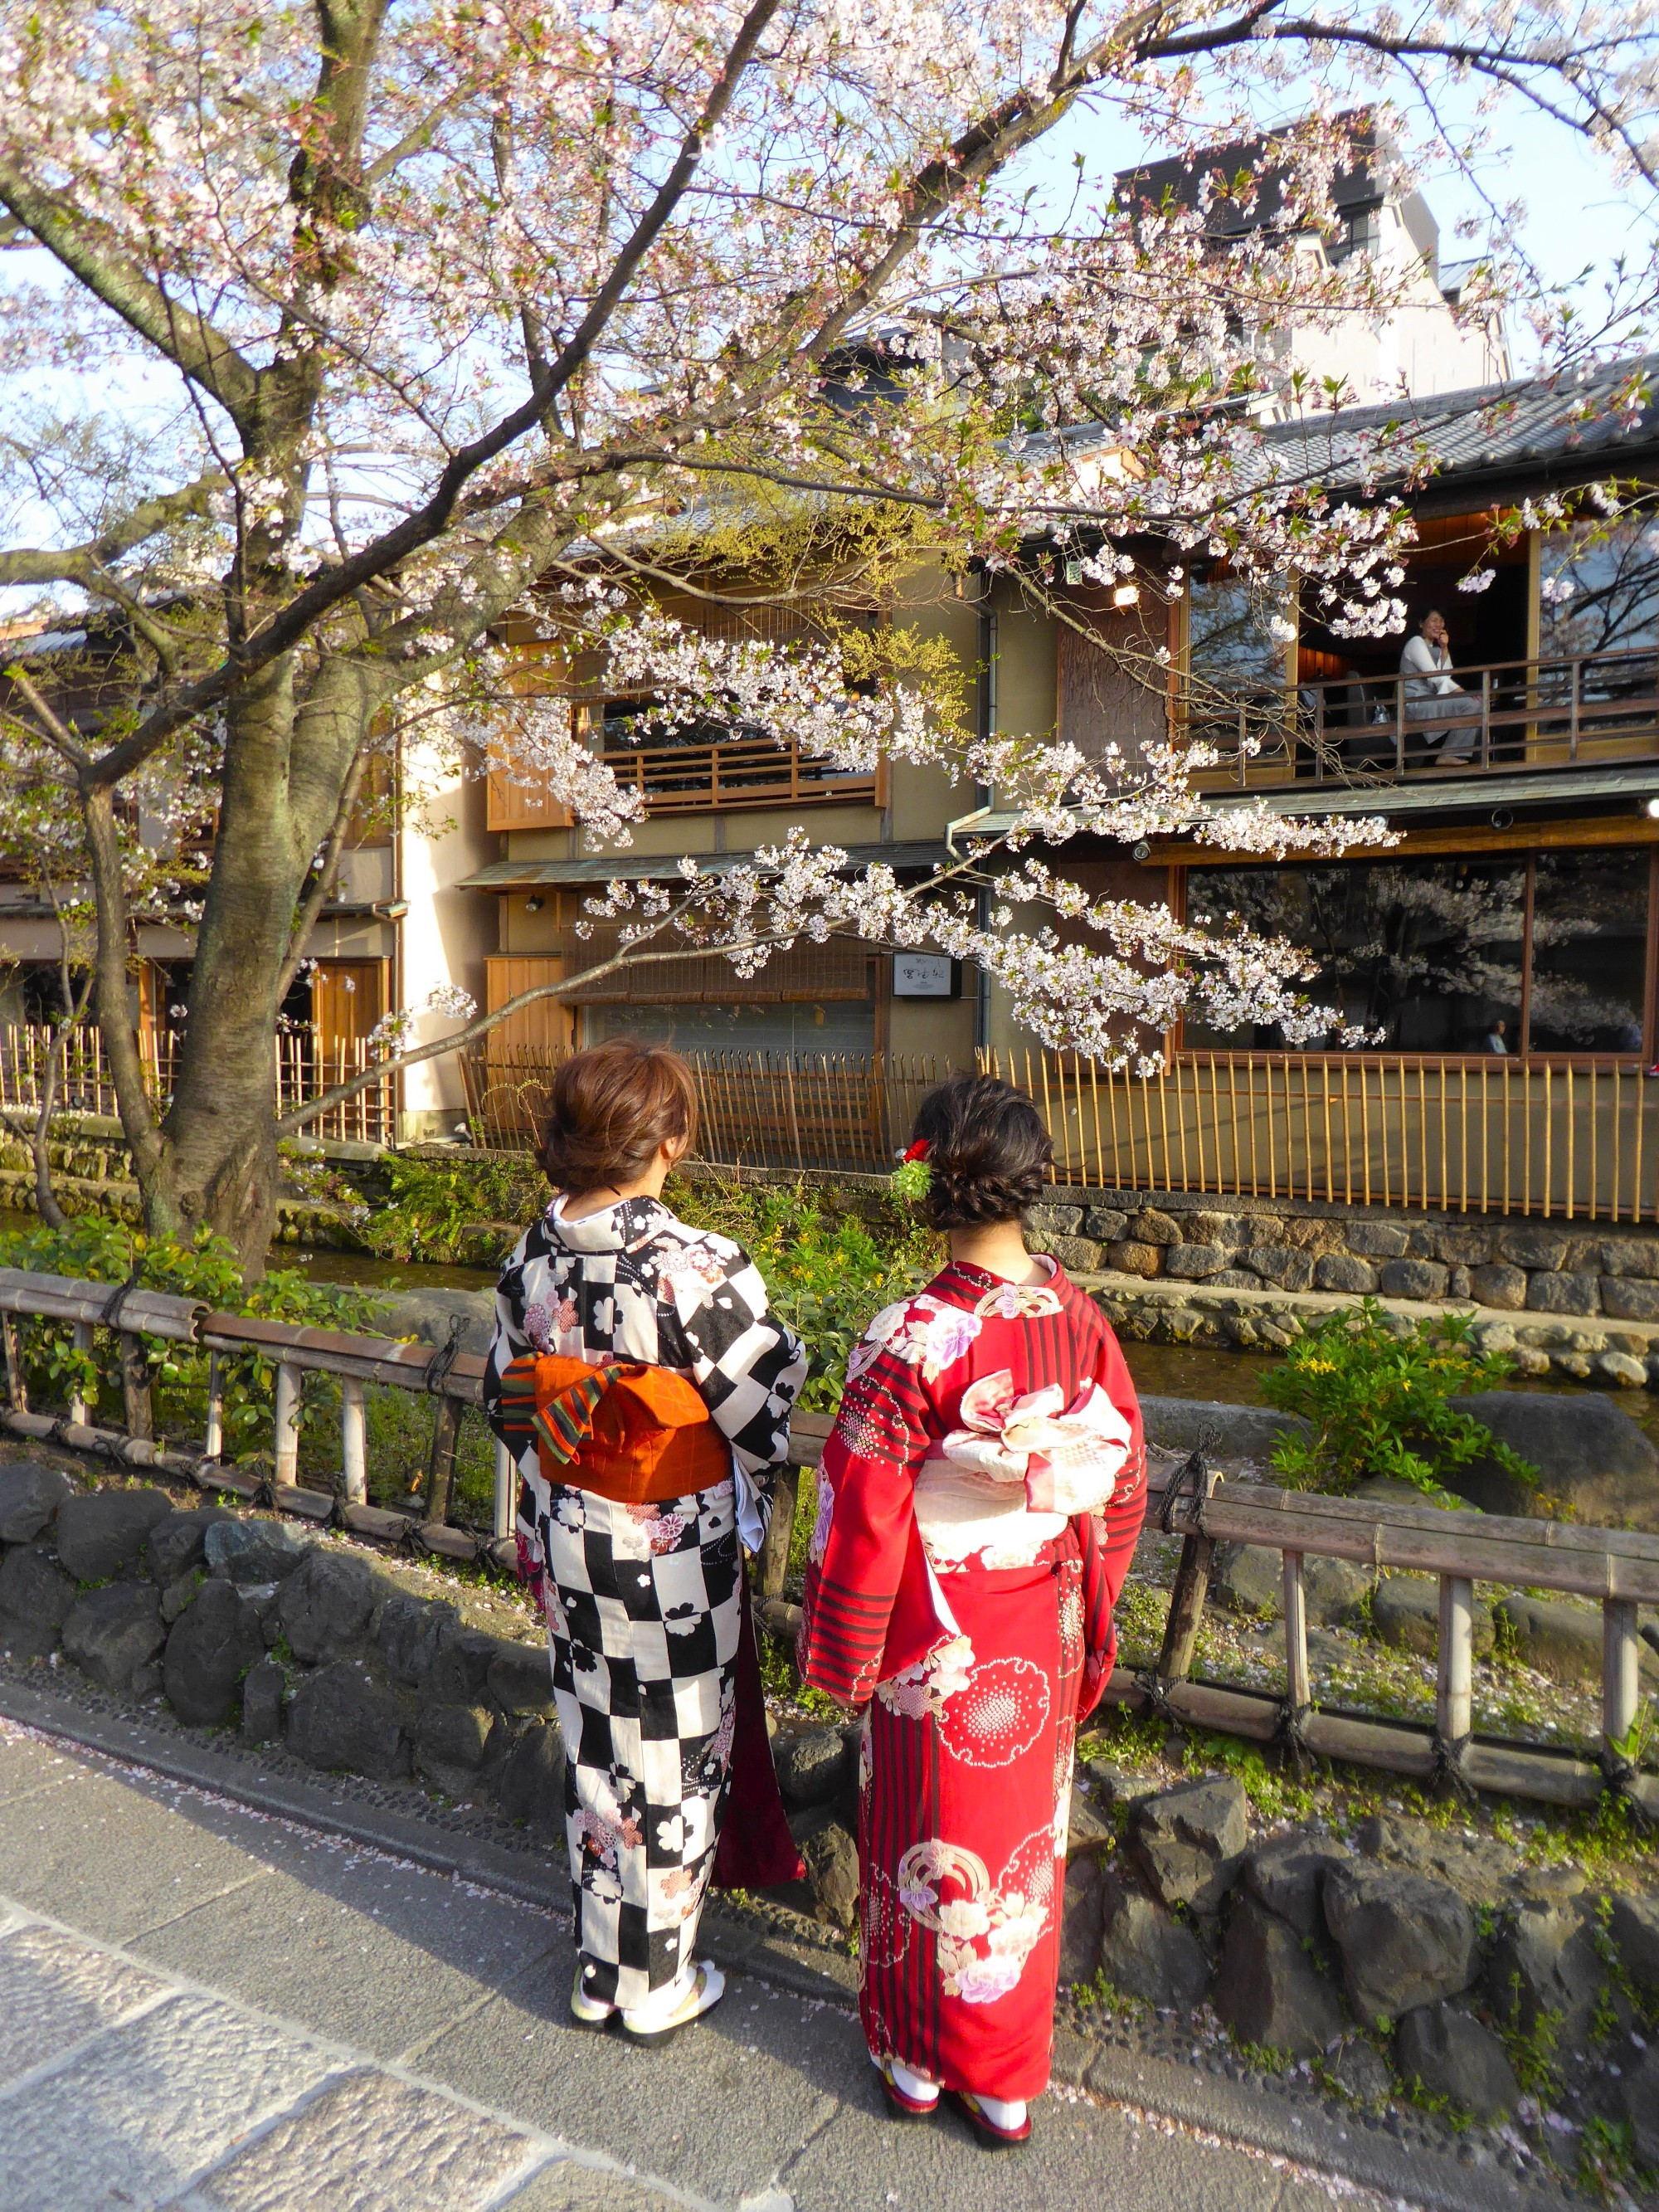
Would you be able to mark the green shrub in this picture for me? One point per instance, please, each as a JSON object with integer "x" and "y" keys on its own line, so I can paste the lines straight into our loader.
{"x": 826, "y": 1275}
{"x": 1376, "y": 1393}
{"x": 433, "y": 1201}
{"x": 101, "y": 1251}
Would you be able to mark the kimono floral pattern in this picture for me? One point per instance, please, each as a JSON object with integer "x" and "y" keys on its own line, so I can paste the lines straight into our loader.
{"x": 974, "y": 1642}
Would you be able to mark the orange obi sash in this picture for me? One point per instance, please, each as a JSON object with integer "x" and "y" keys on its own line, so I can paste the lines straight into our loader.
{"x": 633, "y": 1433}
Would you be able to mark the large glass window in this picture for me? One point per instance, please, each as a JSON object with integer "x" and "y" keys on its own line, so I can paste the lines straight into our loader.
{"x": 836, "y": 1027}
{"x": 1599, "y": 588}
{"x": 1455, "y": 956}
{"x": 1589, "y": 945}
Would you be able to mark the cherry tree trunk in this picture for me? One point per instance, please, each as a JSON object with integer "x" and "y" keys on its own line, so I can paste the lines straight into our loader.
{"x": 216, "y": 1167}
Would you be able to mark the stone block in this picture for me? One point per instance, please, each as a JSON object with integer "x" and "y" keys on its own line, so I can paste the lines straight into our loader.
{"x": 1633, "y": 1927}
{"x": 450, "y": 1742}
{"x": 1457, "y": 1282}
{"x": 1192, "y": 1263}
{"x": 1341, "y": 1271}
{"x": 520, "y": 1678}
{"x": 1154, "y": 1227}
{"x": 1079, "y": 1256}
{"x": 1311, "y": 1234}
{"x": 1234, "y": 1279}
{"x": 30, "y": 1494}
{"x": 832, "y": 1870}
{"x": 1565, "y": 1294}
{"x": 1405, "y": 1614}
{"x": 1406, "y": 1940}
{"x": 1377, "y": 1240}
{"x": 175, "y": 1545}
{"x": 459, "y": 1674}
{"x": 36, "y": 1599}
{"x": 1053, "y": 1220}
{"x": 1135, "y": 1259}
{"x": 371, "y": 2140}
{"x": 407, "y": 1634}
{"x": 1144, "y": 1952}
{"x": 1261, "y": 1229}
{"x": 264, "y": 1689}
{"x": 1498, "y": 1285}
{"x": 1281, "y": 1264}
{"x": 814, "y": 1764}
{"x": 1450, "y": 2054}
{"x": 1622, "y": 1372}
{"x": 1527, "y": 1244}
{"x": 1204, "y": 1227}
{"x": 1088, "y": 1827}
{"x": 1625, "y": 1299}
{"x": 115, "y": 1635}
{"x": 1639, "y": 2095}
{"x": 1269, "y": 1990}
{"x": 1081, "y": 1920}
{"x": 1361, "y": 2072}
{"x": 1414, "y": 1279}
{"x": 1191, "y": 1841}
{"x": 1555, "y": 1638}
{"x": 1545, "y": 1961}
{"x": 324, "y": 1605}
{"x": 1105, "y": 1224}
{"x": 1631, "y": 1256}
{"x": 1465, "y": 1244}
{"x": 102, "y": 1532}
{"x": 1288, "y": 1876}
{"x": 252, "y": 1550}
{"x": 342, "y": 1718}
{"x": 530, "y": 1785}
{"x": 1591, "y": 1455}
{"x": 213, "y": 1643}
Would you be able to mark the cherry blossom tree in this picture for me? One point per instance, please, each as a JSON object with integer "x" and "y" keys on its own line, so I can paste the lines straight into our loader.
{"x": 350, "y": 345}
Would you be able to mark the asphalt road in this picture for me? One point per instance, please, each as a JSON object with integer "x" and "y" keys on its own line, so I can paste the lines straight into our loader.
{"x": 206, "y": 2007}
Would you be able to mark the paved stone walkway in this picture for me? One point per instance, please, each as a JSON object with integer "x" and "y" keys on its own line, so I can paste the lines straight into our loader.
{"x": 206, "y": 2007}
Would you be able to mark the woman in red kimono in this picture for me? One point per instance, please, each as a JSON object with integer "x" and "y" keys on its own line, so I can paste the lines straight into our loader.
{"x": 978, "y": 1507}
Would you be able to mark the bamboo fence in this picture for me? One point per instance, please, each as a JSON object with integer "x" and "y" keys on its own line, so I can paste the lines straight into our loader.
{"x": 304, "y": 1068}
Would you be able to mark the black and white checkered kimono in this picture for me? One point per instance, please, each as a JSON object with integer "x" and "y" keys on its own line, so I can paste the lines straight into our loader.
{"x": 641, "y": 1601}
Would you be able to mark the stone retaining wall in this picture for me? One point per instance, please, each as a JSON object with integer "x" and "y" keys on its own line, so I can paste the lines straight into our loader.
{"x": 1506, "y": 1265}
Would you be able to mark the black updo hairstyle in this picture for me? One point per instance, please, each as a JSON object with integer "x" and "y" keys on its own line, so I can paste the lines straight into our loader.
{"x": 988, "y": 1153}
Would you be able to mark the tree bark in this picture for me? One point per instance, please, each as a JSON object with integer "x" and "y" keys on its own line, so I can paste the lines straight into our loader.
{"x": 286, "y": 762}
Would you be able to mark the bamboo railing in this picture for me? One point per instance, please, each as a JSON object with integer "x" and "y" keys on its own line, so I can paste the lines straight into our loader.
{"x": 1569, "y": 1140}
{"x": 304, "y": 1068}
{"x": 846, "y": 1112}
{"x": 1616, "y": 1567}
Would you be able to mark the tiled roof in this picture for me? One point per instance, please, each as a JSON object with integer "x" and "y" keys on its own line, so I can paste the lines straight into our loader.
{"x": 1515, "y": 426}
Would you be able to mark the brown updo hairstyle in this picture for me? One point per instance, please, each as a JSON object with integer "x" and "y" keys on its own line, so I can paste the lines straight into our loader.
{"x": 611, "y": 1108}
{"x": 987, "y": 1152}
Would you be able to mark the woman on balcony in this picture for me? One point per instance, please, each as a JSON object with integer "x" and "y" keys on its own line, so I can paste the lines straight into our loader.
{"x": 644, "y": 1390}
{"x": 978, "y": 1507}
{"x": 1431, "y": 694}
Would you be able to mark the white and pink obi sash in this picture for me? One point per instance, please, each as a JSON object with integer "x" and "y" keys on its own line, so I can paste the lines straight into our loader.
{"x": 1008, "y": 1481}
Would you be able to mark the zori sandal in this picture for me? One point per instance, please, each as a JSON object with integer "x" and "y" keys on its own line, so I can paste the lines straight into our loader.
{"x": 648, "y": 2023}
{"x": 901, "y": 2103}
{"x": 593, "y": 2014}
{"x": 991, "y": 2134}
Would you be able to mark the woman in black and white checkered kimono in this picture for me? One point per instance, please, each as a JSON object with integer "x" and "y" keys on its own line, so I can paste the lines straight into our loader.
{"x": 642, "y": 1600}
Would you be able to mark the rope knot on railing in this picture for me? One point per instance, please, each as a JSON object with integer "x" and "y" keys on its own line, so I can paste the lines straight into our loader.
{"x": 1450, "y": 1765}
{"x": 438, "y": 1367}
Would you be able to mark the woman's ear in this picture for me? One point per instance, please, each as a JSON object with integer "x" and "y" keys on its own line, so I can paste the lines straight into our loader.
{"x": 673, "y": 1149}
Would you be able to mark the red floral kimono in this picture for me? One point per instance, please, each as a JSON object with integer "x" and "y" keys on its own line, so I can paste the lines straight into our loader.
{"x": 978, "y": 1507}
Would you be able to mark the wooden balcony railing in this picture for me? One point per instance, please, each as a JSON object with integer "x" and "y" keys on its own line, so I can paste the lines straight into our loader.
{"x": 739, "y": 772}
{"x": 1513, "y": 716}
